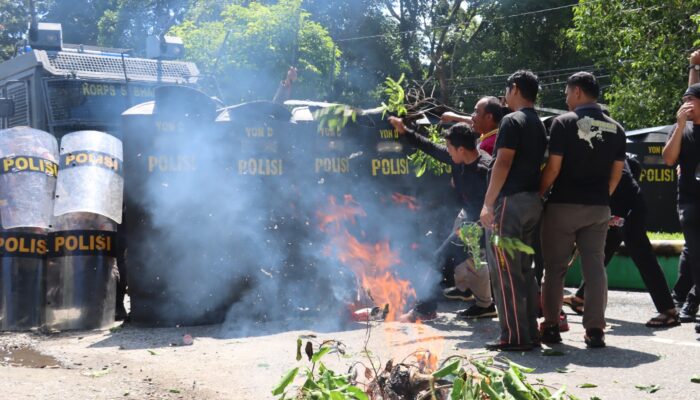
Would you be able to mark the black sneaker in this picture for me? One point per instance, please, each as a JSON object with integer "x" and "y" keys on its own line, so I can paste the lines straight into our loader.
{"x": 594, "y": 338}
{"x": 453, "y": 293}
{"x": 550, "y": 334}
{"x": 688, "y": 312}
{"x": 475, "y": 311}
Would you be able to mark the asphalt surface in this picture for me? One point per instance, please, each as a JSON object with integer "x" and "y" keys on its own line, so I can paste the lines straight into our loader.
{"x": 227, "y": 362}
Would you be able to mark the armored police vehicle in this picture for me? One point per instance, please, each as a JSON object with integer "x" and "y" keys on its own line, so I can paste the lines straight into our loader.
{"x": 61, "y": 88}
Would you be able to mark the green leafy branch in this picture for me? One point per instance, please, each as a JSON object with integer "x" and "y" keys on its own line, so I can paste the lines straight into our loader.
{"x": 335, "y": 117}
{"x": 470, "y": 234}
{"x": 422, "y": 162}
{"x": 458, "y": 378}
{"x": 484, "y": 379}
{"x": 511, "y": 245}
{"x": 396, "y": 101}
{"x": 321, "y": 384}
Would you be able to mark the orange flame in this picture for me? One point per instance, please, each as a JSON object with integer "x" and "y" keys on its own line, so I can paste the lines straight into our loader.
{"x": 426, "y": 359}
{"x": 335, "y": 214}
{"x": 372, "y": 263}
{"x": 410, "y": 201}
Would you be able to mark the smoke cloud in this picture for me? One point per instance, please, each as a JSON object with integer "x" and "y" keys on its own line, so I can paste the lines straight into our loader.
{"x": 223, "y": 214}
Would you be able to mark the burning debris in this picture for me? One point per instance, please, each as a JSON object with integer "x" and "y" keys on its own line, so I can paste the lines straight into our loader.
{"x": 407, "y": 380}
{"x": 417, "y": 377}
{"x": 371, "y": 314}
{"x": 410, "y": 201}
{"x": 380, "y": 293}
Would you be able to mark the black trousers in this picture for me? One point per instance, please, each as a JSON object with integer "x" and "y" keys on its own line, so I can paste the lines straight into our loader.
{"x": 689, "y": 215}
{"x": 684, "y": 289}
{"x": 634, "y": 234}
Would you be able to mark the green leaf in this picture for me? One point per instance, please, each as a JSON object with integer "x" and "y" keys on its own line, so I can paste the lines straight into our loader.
{"x": 448, "y": 369}
{"x": 299, "y": 342}
{"x": 151, "y": 352}
{"x": 514, "y": 386}
{"x": 421, "y": 170}
{"x": 587, "y": 385}
{"x": 520, "y": 367}
{"x": 320, "y": 353}
{"x": 648, "y": 388}
{"x": 286, "y": 380}
{"x": 457, "y": 387}
{"x": 558, "y": 394}
{"x": 337, "y": 396}
{"x": 357, "y": 393}
{"x": 490, "y": 391}
{"x": 695, "y": 379}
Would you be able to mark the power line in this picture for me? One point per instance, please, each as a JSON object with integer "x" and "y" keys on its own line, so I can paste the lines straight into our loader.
{"x": 540, "y": 74}
{"x": 448, "y": 26}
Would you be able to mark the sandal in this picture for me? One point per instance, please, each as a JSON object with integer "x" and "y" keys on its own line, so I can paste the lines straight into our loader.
{"x": 574, "y": 303}
{"x": 664, "y": 320}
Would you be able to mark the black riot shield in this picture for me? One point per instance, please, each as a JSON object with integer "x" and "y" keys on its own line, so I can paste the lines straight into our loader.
{"x": 169, "y": 179}
{"x": 28, "y": 168}
{"x": 81, "y": 272}
{"x": 22, "y": 279}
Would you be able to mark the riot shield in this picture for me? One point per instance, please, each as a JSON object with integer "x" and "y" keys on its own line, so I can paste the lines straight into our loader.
{"x": 28, "y": 172}
{"x": 81, "y": 272}
{"x": 90, "y": 178}
{"x": 22, "y": 279}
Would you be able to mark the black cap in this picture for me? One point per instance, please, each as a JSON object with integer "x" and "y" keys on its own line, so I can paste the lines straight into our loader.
{"x": 693, "y": 90}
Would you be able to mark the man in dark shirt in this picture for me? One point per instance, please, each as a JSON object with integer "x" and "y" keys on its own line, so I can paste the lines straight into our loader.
{"x": 469, "y": 169}
{"x": 683, "y": 148}
{"x": 586, "y": 158}
{"x": 629, "y": 210}
{"x": 512, "y": 208}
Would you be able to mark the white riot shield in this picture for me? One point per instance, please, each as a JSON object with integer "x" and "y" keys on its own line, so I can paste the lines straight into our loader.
{"x": 90, "y": 177}
{"x": 28, "y": 168}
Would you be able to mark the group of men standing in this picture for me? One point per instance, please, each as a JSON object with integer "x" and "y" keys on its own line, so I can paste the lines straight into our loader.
{"x": 497, "y": 156}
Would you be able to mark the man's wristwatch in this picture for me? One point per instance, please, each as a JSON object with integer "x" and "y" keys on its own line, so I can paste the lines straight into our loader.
{"x": 696, "y": 67}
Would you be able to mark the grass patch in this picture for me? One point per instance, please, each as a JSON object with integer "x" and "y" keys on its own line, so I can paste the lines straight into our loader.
{"x": 665, "y": 235}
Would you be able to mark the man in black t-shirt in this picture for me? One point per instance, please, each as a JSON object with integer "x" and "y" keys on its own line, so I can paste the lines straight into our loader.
{"x": 683, "y": 148}
{"x": 469, "y": 168}
{"x": 586, "y": 158}
{"x": 629, "y": 210}
{"x": 512, "y": 208}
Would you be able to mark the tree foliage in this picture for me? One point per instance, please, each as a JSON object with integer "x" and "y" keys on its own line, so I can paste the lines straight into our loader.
{"x": 127, "y": 23}
{"x": 250, "y": 46}
{"x": 367, "y": 40}
{"x": 14, "y": 20}
{"x": 513, "y": 35}
{"x": 644, "y": 44}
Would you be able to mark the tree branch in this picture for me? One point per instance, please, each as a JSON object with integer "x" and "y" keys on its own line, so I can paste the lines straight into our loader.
{"x": 390, "y": 7}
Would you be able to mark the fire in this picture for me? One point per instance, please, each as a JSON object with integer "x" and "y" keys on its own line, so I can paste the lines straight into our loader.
{"x": 410, "y": 201}
{"x": 374, "y": 266}
{"x": 426, "y": 359}
{"x": 372, "y": 263}
{"x": 336, "y": 214}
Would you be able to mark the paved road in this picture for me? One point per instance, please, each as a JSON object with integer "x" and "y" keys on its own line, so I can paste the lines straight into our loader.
{"x": 227, "y": 363}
